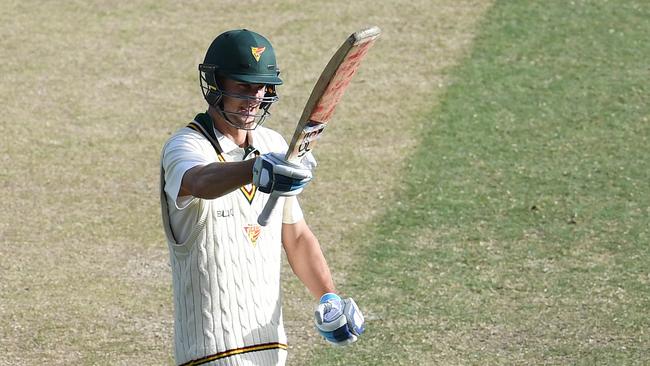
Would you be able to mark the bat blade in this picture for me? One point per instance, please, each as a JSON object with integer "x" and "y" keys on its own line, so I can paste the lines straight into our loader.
{"x": 324, "y": 98}
{"x": 329, "y": 89}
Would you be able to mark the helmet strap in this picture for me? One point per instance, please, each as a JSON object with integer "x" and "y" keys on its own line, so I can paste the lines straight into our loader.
{"x": 219, "y": 108}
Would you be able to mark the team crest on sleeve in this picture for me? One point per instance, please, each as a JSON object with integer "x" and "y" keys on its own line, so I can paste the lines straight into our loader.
{"x": 257, "y": 52}
{"x": 252, "y": 233}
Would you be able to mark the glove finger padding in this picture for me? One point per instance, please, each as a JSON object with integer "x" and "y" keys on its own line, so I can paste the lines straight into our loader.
{"x": 292, "y": 171}
{"x": 356, "y": 322}
{"x": 340, "y": 322}
{"x": 272, "y": 174}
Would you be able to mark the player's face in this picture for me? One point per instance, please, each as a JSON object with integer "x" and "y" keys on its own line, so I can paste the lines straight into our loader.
{"x": 242, "y": 110}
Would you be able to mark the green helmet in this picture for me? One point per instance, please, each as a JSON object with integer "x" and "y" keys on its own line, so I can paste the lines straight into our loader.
{"x": 244, "y": 56}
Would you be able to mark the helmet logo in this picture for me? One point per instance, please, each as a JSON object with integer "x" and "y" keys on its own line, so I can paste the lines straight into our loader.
{"x": 257, "y": 52}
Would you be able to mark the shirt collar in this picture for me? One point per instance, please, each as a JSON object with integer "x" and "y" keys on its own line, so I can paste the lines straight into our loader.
{"x": 227, "y": 145}
{"x": 229, "y": 148}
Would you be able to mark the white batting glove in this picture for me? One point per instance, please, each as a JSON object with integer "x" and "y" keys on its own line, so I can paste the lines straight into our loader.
{"x": 338, "y": 320}
{"x": 272, "y": 174}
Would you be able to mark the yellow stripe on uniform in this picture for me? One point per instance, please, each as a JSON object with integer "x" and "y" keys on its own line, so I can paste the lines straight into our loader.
{"x": 193, "y": 126}
{"x": 237, "y": 351}
{"x": 248, "y": 194}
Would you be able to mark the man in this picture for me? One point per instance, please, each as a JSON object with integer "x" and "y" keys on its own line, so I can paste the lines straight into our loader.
{"x": 217, "y": 173}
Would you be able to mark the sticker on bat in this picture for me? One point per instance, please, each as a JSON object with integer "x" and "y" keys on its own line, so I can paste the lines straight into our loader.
{"x": 311, "y": 132}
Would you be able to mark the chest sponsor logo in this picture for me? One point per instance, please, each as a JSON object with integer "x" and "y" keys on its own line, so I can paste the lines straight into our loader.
{"x": 226, "y": 213}
{"x": 252, "y": 233}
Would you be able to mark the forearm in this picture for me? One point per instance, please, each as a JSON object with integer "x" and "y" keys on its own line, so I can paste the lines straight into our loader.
{"x": 216, "y": 179}
{"x": 309, "y": 264}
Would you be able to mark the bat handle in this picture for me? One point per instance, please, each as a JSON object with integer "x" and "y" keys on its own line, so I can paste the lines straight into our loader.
{"x": 263, "y": 218}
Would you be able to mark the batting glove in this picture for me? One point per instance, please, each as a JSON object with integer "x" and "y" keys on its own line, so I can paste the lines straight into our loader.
{"x": 339, "y": 321}
{"x": 272, "y": 174}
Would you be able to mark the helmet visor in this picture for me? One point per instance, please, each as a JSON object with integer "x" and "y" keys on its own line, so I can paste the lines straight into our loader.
{"x": 269, "y": 79}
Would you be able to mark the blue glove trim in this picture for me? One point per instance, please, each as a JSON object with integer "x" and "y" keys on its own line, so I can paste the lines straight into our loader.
{"x": 287, "y": 184}
{"x": 339, "y": 335}
{"x": 329, "y": 296}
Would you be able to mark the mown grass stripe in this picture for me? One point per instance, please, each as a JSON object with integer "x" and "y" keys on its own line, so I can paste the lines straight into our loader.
{"x": 521, "y": 233}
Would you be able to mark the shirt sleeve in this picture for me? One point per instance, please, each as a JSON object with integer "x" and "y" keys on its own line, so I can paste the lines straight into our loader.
{"x": 292, "y": 212}
{"x": 182, "y": 153}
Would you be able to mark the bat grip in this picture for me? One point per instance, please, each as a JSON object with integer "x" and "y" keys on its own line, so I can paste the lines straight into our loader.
{"x": 263, "y": 218}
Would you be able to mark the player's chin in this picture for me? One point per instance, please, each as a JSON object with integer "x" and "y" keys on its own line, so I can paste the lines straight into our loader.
{"x": 245, "y": 122}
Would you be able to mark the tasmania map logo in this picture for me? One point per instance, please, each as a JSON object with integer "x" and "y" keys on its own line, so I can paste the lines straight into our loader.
{"x": 257, "y": 52}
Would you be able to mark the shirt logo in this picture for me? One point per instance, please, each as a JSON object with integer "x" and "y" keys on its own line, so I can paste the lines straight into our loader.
{"x": 252, "y": 233}
{"x": 257, "y": 52}
{"x": 226, "y": 213}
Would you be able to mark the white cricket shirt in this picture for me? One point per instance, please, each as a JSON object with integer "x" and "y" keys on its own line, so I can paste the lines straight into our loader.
{"x": 225, "y": 267}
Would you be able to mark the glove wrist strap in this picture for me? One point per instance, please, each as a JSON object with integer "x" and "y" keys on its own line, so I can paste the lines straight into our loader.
{"x": 329, "y": 296}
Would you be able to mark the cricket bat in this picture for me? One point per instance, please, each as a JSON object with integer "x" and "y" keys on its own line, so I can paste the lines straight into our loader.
{"x": 322, "y": 102}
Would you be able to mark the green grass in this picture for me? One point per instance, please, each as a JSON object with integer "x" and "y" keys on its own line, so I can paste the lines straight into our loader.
{"x": 90, "y": 92}
{"x": 517, "y": 234}
{"x": 520, "y": 234}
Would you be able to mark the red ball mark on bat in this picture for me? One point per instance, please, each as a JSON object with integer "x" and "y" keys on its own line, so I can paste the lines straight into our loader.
{"x": 361, "y": 51}
{"x": 340, "y": 81}
{"x": 327, "y": 114}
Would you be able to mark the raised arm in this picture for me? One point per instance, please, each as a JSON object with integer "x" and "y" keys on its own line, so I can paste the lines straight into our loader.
{"x": 216, "y": 179}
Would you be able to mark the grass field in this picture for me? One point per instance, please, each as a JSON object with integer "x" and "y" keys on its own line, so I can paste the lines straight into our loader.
{"x": 520, "y": 234}
{"x": 496, "y": 212}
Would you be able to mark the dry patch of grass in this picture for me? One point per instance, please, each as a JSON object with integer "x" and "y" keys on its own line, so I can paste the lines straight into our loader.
{"x": 90, "y": 92}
